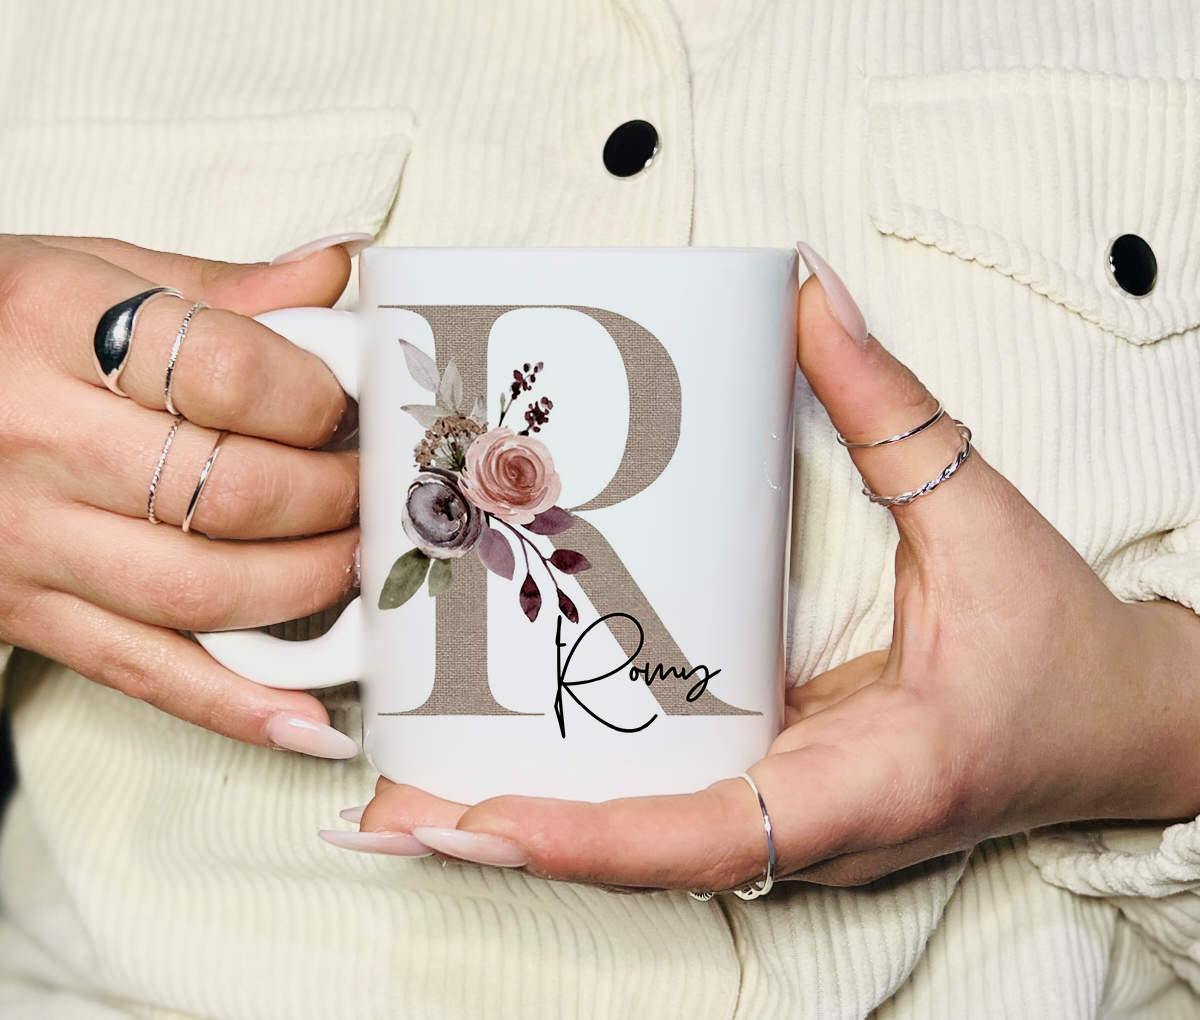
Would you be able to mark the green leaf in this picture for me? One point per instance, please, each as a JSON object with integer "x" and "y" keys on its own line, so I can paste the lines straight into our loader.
{"x": 404, "y": 579}
{"x": 440, "y": 577}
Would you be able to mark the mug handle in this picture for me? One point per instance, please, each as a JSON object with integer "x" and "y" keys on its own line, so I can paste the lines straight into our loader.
{"x": 336, "y": 657}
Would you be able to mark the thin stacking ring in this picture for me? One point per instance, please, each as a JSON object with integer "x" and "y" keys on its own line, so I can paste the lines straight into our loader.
{"x": 204, "y": 473}
{"x": 158, "y": 470}
{"x": 114, "y": 335}
{"x": 933, "y": 483}
{"x": 937, "y": 415}
{"x": 764, "y": 884}
{"x": 179, "y": 338}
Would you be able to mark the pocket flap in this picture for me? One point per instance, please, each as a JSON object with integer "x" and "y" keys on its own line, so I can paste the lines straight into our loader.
{"x": 236, "y": 189}
{"x": 1035, "y": 173}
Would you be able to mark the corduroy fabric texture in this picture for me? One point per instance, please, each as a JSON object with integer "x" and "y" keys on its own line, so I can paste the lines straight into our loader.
{"x": 963, "y": 165}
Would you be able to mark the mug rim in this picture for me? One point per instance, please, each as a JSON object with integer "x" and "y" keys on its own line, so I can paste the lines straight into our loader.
{"x": 661, "y": 249}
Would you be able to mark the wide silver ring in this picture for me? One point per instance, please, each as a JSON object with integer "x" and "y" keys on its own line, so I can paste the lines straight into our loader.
{"x": 174, "y": 355}
{"x": 764, "y": 884}
{"x": 201, "y": 482}
{"x": 114, "y": 335}
{"x": 158, "y": 470}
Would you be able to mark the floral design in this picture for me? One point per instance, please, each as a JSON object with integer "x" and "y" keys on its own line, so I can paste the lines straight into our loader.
{"x": 439, "y": 519}
{"x": 446, "y": 441}
{"x": 476, "y": 488}
{"x": 511, "y": 476}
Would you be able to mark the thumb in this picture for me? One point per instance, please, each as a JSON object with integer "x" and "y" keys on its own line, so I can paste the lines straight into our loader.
{"x": 312, "y": 275}
{"x": 868, "y": 394}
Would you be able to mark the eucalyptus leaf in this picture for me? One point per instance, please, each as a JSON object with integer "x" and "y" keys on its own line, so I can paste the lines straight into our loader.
{"x": 440, "y": 577}
{"x": 479, "y": 411}
{"x": 451, "y": 390}
{"x": 421, "y": 367}
{"x": 426, "y": 414}
{"x": 403, "y": 580}
{"x": 495, "y": 552}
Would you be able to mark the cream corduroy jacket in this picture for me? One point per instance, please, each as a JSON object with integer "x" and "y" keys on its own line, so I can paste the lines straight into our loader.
{"x": 964, "y": 165}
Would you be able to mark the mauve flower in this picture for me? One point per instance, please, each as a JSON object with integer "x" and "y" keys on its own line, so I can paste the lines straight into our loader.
{"x": 511, "y": 476}
{"x": 439, "y": 519}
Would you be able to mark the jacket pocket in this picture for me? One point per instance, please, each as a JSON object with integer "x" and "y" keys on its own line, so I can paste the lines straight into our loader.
{"x": 1034, "y": 173}
{"x": 237, "y": 189}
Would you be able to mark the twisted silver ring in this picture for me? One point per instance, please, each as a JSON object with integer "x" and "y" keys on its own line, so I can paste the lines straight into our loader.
{"x": 947, "y": 473}
{"x": 936, "y": 417}
{"x": 204, "y": 473}
{"x": 158, "y": 470}
{"x": 764, "y": 884}
{"x": 174, "y": 356}
{"x": 114, "y": 335}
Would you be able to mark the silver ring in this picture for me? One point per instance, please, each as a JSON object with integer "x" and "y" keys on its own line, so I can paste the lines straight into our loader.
{"x": 764, "y": 884}
{"x": 948, "y": 473}
{"x": 114, "y": 335}
{"x": 158, "y": 470}
{"x": 179, "y": 338}
{"x": 204, "y": 473}
{"x": 895, "y": 439}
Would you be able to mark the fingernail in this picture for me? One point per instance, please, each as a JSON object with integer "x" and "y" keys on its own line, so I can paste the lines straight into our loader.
{"x": 474, "y": 846}
{"x": 353, "y": 814}
{"x": 295, "y": 732}
{"x": 347, "y": 426}
{"x": 393, "y": 844}
{"x": 353, "y": 243}
{"x": 358, "y": 565}
{"x": 841, "y": 304}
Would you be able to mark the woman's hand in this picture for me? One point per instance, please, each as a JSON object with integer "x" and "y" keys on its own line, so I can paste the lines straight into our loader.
{"x": 85, "y": 578}
{"x": 1017, "y": 691}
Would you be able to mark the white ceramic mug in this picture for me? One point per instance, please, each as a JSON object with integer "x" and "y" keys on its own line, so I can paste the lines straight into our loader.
{"x": 591, "y": 609}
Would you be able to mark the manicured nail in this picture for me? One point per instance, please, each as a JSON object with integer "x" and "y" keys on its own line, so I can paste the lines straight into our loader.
{"x": 353, "y": 814}
{"x": 358, "y": 565}
{"x": 393, "y": 844}
{"x": 353, "y": 243}
{"x": 295, "y": 732}
{"x": 841, "y": 304}
{"x": 474, "y": 846}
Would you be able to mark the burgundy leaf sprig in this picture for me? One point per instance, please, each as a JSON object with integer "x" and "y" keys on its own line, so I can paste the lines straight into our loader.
{"x": 495, "y": 553}
{"x": 473, "y": 480}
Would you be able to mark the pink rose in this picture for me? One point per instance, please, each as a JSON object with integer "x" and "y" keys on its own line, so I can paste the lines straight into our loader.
{"x": 511, "y": 476}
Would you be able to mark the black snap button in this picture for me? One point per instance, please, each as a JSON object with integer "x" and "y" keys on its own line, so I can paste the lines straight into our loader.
{"x": 631, "y": 148}
{"x": 1133, "y": 265}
